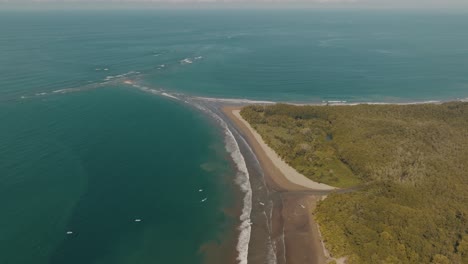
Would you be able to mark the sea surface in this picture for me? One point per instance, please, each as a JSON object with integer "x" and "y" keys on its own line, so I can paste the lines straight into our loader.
{"x": 106, "y": 156}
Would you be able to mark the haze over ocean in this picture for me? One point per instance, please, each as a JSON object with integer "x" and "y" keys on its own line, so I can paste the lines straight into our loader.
{"x": 94, "y": 161}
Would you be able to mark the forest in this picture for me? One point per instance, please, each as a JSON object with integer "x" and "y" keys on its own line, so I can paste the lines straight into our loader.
{"x": 410, "y": 163}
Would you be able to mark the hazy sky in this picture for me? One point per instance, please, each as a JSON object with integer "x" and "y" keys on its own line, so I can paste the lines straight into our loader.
{"x": 339, "y": 3}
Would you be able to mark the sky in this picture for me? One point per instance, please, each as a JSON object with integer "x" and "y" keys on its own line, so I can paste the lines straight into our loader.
{"x": 319, "y": 3}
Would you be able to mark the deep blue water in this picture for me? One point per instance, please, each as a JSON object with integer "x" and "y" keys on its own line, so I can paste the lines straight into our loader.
{"x": 93, "y": 161}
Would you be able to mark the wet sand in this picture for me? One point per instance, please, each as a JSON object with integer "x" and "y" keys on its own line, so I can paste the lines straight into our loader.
{"x": 293, "y": 231}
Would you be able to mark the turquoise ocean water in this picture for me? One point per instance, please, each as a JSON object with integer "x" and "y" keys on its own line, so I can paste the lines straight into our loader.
{"x": 82, "y": 151}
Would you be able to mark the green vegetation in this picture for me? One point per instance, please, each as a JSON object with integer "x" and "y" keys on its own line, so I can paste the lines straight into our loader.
{"x": 304, "y": 139}
{"x": 413, "y": 160}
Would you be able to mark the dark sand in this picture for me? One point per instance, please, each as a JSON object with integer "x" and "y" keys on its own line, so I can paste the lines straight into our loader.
{"x": 292, "y": 228}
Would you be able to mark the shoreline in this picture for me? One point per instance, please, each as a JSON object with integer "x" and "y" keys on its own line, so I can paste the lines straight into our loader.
{"x": 276, "y": 220}
{"x": 293, "y": 228}
{"x": 239, "y": 102}
{"x": 285, "y": 170}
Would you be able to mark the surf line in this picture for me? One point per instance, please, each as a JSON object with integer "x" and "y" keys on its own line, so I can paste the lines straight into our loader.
{"x": 242, "y": 178}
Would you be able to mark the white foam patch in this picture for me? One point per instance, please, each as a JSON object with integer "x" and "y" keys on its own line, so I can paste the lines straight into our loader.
{"x": 120, "y": 76}
{"x": 170, "y": 96}
{"x": 408, "y": 103}
{"x": 234, "y": 101}
{"x": 112, "y": 79}
{"x": 243, "y": 181}
{"x": 186, "y": 61}
{"x": 60, "y": 91}
{"x": 377, "y": 103}
{"x": 337, "y": 102}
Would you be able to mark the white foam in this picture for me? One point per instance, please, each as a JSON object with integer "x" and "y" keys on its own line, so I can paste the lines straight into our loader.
{"x": 198, "y": 58}
{"x": 186, "y": 61}
{"x": 153, "y": 91}
{"x": 234, "y": 101}
{"x": 170, "y": 96}
{"x": 68, "y": 90}
{"x": 242, "y": 179}
{"x": 120, "y": 76}
{"x": 60, "y": 91}
{"x": 408, "y": 103}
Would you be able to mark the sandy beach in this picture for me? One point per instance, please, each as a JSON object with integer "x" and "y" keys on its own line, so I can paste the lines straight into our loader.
{"x": 286, "y": 171}
{"x": 292, "y": 220}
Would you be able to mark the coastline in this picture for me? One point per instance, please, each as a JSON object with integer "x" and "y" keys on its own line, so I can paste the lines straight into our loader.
{"x": 293, "y": 228}
{"x": 277, "y": 220}
{"x": 268, "y": 155}
{"x": 287, "y": 223}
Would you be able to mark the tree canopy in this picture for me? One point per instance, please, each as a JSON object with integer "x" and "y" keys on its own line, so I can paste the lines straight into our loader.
{"x": 411, "y": 159}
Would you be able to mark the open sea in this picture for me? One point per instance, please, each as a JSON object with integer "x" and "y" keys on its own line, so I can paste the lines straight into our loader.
{"x": 105, "y": 155}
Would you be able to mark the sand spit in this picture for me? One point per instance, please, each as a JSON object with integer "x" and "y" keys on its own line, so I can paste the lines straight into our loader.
{"x": 294, "y": 232}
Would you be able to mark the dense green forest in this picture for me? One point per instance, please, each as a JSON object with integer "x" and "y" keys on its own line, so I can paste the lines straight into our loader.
{"x": 412, "y": 161}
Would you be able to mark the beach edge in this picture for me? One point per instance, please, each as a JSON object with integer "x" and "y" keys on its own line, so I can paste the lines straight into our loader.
{"x": 300, "y": 195}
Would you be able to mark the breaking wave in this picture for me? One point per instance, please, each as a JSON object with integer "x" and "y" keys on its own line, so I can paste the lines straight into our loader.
{"x": 242, "y": 177}
{"x": 243, "y": 180}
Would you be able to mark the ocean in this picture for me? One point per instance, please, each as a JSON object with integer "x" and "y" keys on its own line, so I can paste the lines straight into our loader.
{"x": 108, "y": 153}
